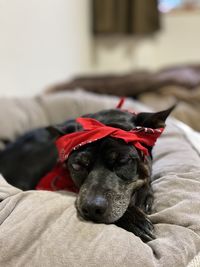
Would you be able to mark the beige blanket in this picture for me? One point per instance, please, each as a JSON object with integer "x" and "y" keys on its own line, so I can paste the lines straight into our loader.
{"x": 41, "y": 229}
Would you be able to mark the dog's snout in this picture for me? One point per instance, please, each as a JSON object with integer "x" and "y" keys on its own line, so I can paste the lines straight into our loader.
{"x": 95, "y": 208}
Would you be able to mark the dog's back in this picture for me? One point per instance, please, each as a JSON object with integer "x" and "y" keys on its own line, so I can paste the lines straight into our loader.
{"x": 26, "y": 160}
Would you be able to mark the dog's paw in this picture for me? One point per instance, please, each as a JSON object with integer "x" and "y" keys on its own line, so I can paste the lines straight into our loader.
{"x": 147, "y": 204}
{"x": 135, "y": 221}
{"x": 144, "y": 229}
{"x": 144, "y": 199}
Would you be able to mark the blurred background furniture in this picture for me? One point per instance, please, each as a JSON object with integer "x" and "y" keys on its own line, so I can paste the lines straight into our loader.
{"x": 159, "y": 90}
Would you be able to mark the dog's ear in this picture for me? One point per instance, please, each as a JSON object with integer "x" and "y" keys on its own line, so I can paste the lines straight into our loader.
{"x": 54, "y": 131}
{"x": 64, "y": 128}
{"x": 153, "y": 120}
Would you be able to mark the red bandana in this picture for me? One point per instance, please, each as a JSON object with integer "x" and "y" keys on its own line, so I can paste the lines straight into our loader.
{"x": 57, "y": 179}
{"x": 95, "y": 130}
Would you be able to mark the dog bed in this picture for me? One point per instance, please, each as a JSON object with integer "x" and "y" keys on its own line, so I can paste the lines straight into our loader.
{"x": 40, "y": 228}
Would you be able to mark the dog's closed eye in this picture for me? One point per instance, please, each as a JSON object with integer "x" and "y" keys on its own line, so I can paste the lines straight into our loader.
{"x": 115, "y": 158}
{"x": 80, "y": 161}
{"x": 126, "y": 168}
{"x": 124, "y": 160}
{"x": 77, "y": 166}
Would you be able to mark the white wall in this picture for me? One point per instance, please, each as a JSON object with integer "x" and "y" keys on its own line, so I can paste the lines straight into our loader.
{"x": 42, "y": 42}
{"x": 47, "y": 41}
{"x": 178, "y": 42}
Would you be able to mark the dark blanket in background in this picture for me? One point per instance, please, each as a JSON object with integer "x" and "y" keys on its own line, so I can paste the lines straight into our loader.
{"x": 157, "y": 89}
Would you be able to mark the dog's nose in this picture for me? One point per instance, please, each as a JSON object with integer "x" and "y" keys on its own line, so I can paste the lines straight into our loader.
{"x": 95, "y": 208}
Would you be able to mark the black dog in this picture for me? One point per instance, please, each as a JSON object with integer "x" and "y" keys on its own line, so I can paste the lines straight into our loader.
{"x": 113, "y": 179}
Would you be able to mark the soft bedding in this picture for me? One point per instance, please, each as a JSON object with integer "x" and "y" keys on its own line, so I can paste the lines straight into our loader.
{"x": 40, "y": 228}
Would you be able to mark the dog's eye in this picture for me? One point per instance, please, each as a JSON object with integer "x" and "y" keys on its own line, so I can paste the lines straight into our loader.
{"x": 126, "y": 169}
{"x": 77, "y": 167}
{"x": 122, "y": 161}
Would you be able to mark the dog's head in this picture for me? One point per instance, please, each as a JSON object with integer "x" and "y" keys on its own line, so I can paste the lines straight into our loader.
{"x": 109, "y": 171}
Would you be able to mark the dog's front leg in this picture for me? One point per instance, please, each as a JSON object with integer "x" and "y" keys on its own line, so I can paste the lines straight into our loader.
{"x": 135, "y": 221}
